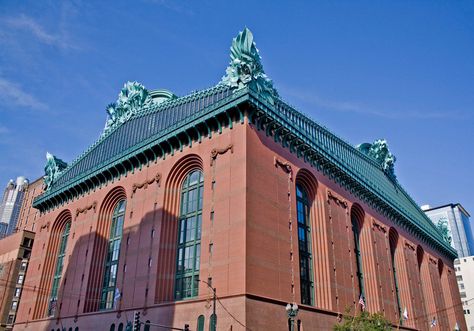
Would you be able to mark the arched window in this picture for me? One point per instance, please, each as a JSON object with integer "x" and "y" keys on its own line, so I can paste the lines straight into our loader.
{"x": 120, "y": 327}
{"x": 53, "y": 298}
{"x": 112, "y": 258}
{"x": 393, "y": 238}
{"x": 200, "y": 323}
{"x": 213, "y": 322}
{"x": 189, "y": 236}
{"x": 303, "y": 206}
{"x": 356, "y": 228}
{"x": 112, "y": 327}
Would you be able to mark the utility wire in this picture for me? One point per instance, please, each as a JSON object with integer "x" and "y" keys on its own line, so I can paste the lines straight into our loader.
{"x": 233, "y": 317}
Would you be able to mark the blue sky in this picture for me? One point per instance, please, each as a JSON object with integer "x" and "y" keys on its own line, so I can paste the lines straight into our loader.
{"x": 400, "y": 70}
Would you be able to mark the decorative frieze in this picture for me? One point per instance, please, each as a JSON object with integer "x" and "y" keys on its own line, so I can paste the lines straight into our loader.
{"x": 378, "y": 226}
{"x": 86, "y": 208}
{"x": 145, "y": 184}
{"x": 409, "y": 246}
{"x": 45, "y": 226}
{"x": 338, "y": 200}
{"x": 219, "y": 151}
{"x": 286, "y": 166}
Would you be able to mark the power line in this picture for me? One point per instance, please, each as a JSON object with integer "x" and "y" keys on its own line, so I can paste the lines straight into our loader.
{"x": 228, "y": 312}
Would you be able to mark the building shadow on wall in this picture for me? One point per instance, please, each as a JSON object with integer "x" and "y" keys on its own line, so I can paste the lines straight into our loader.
{"x": 145, "y": 275}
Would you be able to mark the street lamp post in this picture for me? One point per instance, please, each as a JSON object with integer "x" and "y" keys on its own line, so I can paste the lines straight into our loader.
{"x": 214, "y": 316}
{"x": 292, "y": 311}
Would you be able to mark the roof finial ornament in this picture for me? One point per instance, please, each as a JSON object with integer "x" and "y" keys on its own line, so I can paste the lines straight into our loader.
{"x": 52, "y": 170}
{"x": 245, "y": 67}
{"x": 379, "y": 151}
{"x": 133, "y": 97}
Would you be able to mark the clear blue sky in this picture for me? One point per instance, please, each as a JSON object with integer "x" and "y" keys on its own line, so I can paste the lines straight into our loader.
{"x": 400, "y": 70}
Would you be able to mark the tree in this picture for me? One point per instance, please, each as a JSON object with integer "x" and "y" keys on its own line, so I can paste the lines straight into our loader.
{"x": 363, "y": 322}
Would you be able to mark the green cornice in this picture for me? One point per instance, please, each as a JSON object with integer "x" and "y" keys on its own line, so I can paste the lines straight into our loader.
{"x": 350, "y": 168}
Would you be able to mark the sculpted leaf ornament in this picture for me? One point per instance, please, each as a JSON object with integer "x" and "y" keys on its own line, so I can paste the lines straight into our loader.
{"x": 380, "y": 152}
{"x": 133, "y": 97}
{"x": 245, "y": 67}
{"x": 52, "y": 170}
{"x": 444, "y": 229}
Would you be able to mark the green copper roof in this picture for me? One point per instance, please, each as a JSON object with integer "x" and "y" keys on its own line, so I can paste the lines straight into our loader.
{"x": 143, "y": 131}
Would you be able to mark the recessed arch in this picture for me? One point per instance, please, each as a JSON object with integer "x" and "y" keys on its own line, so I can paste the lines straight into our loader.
{"x": 357, "y": 222}
{"x": 308, "y": 181}
{"x": 393, "y": 241}
{"x": 100, "y": 246}
{"x": 180, "y": 169}
{"x": 169, "y": 231}
{"x": 419, "y": 255}
{"x": 61, "y": 224}
{"x": 358, "y": 215}
{"x": 305, "y": 194}
{"x": 440, "y": 267}
{"x": 393, "y": 238}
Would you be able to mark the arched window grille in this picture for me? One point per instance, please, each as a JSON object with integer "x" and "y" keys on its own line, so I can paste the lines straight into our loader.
{"x": 200, "y": 323}
{"x": 360, "y": 275}
{"x": 303, "y": 206}
{"x": 53, "y": 298}
{"x": 189, "y": 236}
{"x": 213, "y": 322}
{"x": 112, "y": 258}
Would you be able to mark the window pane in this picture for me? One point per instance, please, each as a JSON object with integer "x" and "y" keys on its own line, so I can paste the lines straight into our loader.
{"x": 192, "y": 201}
{"x": 113, "y": 256}
{"x": 304, "y": 245}
{"x": 201, "y": 192}
{"x": 189, "y": 237}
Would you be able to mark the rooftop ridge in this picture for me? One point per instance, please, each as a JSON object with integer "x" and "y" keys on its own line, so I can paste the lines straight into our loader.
{"x": 412, "y": 211}
{"x": 342, "y": 140}
{"x": 144, "y": 111}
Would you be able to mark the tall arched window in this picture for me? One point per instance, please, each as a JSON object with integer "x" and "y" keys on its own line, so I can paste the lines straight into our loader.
{"x": 304, "y": 245}
{"x": 53, "y": 298}
{"x": 189, "y": 236}
{"x": 356, "y": 228}
{"x": 112, "y": 258}
{"x": 393, "y": 238}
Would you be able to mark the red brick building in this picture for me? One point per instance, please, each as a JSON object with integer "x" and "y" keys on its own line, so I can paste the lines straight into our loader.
{"x": 233, "y": 187}
{"x": 15, "y": 252}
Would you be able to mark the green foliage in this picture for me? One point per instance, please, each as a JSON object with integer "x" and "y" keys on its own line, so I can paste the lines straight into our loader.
{"x": 363, "y": 321}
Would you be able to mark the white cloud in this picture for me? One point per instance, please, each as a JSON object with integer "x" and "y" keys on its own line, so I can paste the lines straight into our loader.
{"x": 13, "y": 94}
{"x": 354, "y": 107}
{"x": 28, "y": 24}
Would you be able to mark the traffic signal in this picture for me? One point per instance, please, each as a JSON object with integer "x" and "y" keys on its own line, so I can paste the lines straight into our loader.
{"x": 136, "y": 321}
{"x": 186, "y": 327}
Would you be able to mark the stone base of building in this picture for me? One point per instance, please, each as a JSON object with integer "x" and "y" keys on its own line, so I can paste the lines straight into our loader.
{"x": 235, "y": 313}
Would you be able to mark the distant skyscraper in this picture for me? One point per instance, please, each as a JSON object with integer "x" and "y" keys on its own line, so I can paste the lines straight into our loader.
{"x": 3, "y": 229}
{"x": 459, "y": 227}
{"x": 11, "y": 204}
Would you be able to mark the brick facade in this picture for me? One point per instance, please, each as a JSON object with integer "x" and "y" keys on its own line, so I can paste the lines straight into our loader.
{"x": 248, "y": 248}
